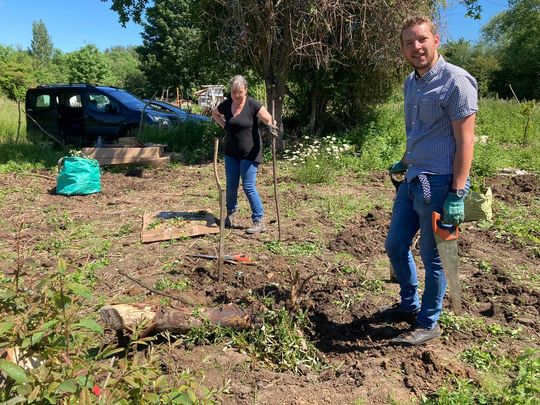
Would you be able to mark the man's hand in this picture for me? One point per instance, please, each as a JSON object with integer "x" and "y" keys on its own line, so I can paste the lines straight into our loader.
{"x": 453, "y": 209}
{"x": 398, "y": 167}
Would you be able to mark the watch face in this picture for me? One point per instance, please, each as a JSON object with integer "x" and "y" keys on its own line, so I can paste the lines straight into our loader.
{"x": 460, "y": 192}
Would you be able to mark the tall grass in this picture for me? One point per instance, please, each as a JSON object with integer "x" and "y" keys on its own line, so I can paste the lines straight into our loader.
{"x": 20, "y": 155}
{"x": 500, "y": 128}
{"x": 192, "y": 141}
{"x": 9, "y": 120}
{"x": 379, "y": 139}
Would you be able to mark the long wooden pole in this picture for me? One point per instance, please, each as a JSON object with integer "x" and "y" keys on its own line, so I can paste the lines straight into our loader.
{"x": 221, "y": 193}
{"x": 274, "y": 166}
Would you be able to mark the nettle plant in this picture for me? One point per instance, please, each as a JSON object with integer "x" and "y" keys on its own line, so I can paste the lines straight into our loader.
{"x": 318, "y": 160}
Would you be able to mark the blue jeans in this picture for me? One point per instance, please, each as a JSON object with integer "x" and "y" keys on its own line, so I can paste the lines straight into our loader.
{"x": 410, "y": 214}
{"x": 247, "y": 170}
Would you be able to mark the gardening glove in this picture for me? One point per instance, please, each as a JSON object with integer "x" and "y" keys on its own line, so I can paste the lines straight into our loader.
{"x": 453, "y": 209}
{"x": 274, "y": 131}
{"x": 398, "y": 167}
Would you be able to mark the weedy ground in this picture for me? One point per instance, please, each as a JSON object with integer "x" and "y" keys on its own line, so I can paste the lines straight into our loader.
{"x": 330, "y": 351}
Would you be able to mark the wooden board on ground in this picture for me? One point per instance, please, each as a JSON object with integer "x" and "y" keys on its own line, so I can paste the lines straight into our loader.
{"x": 167, "y": 225}
{"x": 116, "y": 154}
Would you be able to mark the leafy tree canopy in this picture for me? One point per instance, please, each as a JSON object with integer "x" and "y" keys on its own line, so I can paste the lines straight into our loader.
{"x": 41, "y": 47}
{"x": 515, "y": 34}
{"x": 88, "y": 65}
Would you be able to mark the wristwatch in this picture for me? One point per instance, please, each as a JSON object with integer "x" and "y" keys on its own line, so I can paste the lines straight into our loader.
{"x": 460, "y": 192}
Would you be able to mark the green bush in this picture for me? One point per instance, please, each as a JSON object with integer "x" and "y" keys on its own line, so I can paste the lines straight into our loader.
{"x": 50, "y": 326}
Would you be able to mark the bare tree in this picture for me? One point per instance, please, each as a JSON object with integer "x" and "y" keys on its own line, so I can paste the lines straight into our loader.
{"x": 277, "y": 35}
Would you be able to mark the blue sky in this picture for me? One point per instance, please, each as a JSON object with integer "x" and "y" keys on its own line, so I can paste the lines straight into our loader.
{"x": 75, "y": 23}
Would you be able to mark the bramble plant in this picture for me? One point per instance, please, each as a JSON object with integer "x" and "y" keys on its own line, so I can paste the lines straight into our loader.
{"x": 317, "y": 161}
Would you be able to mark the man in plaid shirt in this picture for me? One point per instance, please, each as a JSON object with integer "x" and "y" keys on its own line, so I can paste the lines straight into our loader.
{"x": 440, "y": 110}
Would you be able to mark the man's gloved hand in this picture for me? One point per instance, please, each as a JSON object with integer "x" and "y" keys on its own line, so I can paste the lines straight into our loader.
{"x": 453, "y": 209}
{"x": 397, "y": 167}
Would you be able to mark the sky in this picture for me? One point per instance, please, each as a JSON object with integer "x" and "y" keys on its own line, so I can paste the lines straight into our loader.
{"x": 72, "y": 24}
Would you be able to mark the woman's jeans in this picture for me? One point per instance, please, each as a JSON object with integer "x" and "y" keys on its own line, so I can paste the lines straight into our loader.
{"x": 247, "y": 170}
{"x": 412, "y": 213}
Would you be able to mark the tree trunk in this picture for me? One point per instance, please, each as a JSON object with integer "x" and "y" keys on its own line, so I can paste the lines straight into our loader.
{"x": 180, "y": 319}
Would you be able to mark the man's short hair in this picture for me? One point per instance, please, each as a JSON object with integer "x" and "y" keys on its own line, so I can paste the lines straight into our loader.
{"x": 413, "y": 20}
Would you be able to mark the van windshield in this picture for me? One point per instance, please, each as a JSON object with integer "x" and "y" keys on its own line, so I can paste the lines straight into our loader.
{"x": 128, "y": 99}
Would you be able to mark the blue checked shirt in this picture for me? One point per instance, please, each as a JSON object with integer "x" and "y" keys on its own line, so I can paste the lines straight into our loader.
{"x": 444, "y": 94}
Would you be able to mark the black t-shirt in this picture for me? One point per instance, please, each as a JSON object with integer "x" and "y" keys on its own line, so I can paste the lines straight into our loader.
{"x": 242, "y": 140}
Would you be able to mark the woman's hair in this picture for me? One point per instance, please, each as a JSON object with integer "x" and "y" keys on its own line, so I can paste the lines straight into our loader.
{"x": 238, "y": 81}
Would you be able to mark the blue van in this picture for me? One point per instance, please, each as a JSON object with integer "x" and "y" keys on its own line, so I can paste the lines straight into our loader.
{"x": 78, "y": 114}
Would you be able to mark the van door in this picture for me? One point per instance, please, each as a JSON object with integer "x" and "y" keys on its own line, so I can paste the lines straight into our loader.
{"x": 41, "y": 106}
{"x": 70, "y": 117}
{"x": 103, "y": 117}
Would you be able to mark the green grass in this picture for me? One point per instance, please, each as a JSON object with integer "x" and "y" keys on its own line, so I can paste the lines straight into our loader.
{"x": 503, "y": 380}
{"x": 192, "y": 141}
{"x": 380, "y": 140}
{"x": 519, "y": 220}
{"x": 279, "y": 342}
{"x": 9, "y": 119}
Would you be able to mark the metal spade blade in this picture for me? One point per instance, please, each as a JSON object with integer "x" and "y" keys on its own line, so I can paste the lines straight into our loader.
{"x": 446, "y": 238}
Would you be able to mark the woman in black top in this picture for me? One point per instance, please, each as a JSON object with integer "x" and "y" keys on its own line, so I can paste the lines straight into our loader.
{"x": 239, "y": 117}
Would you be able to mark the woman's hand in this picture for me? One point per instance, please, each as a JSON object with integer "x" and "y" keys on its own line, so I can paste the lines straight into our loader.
{"x": 218, "y": 118}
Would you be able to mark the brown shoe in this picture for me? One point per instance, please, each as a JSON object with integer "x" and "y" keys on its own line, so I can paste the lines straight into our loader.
{"x": 257, "y": 227}
{"x": 417, "y": 336}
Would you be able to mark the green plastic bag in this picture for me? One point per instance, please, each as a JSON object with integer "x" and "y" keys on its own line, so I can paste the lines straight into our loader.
{"x": 78, "y": 176}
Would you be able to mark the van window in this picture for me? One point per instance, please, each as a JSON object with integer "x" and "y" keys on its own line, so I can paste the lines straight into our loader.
{"x": 40, "y": 101}
{"x": 70, "y": 100}
{"x": 101, "y": 103}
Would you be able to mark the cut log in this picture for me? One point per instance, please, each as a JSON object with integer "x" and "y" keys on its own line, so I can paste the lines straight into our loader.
{"x": 126, "y": 316}
{"x": 180, "y": 319}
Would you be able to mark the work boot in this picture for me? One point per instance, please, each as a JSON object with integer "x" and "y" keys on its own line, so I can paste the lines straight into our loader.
{"x": 418, "y": 336}
{"x": 394, "y": 313}
{"x": 229, "y": 220}
{"x": 257, "y": 227}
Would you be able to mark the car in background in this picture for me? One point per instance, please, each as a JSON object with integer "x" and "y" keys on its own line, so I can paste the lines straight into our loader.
{"x": 182, "y": 114}
{"x": 78, "y": 114}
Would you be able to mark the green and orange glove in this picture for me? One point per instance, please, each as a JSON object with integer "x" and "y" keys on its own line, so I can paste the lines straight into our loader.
{"x": 453, "y": 209}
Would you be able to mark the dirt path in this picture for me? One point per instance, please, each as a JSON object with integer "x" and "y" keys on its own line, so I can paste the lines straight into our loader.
{"x": 333, "y": 233}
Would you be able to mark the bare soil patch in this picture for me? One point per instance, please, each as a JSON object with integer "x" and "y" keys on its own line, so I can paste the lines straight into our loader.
{"x": 500, "y": 275}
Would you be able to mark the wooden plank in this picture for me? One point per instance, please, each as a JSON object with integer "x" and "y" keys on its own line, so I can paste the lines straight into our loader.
{"x": 167, "y": 225}
{"x": 124, "y": 152}
{"x": 154, "y": 162}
